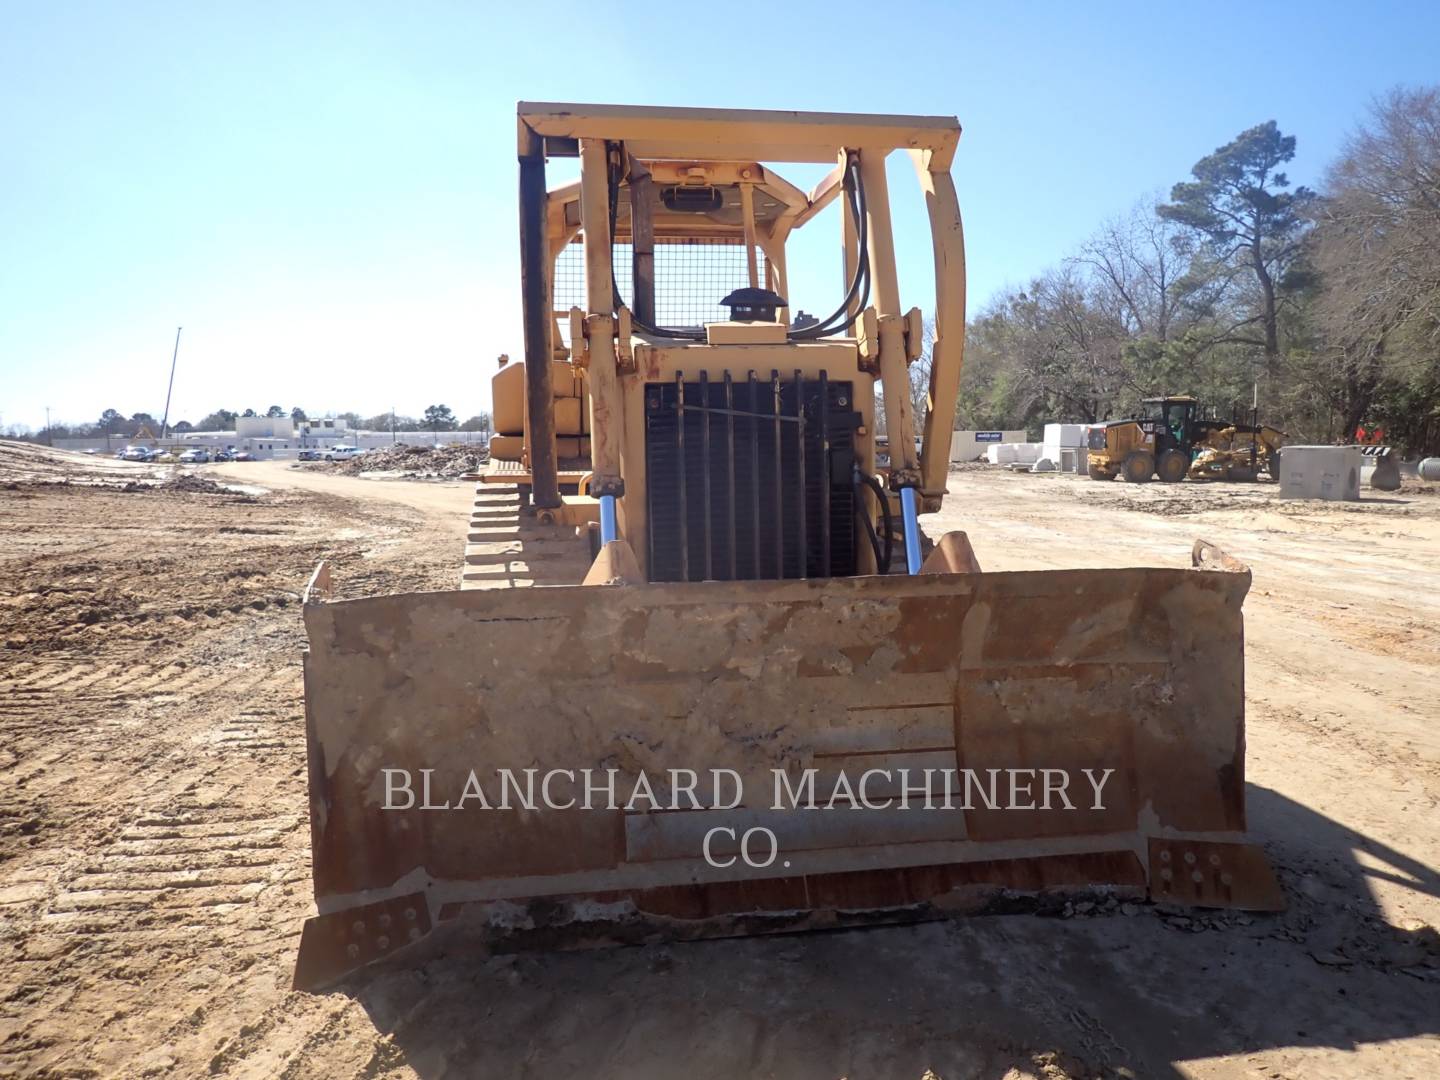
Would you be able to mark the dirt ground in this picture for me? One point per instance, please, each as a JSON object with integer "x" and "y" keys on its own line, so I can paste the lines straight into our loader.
{"x": 154, "y": 844}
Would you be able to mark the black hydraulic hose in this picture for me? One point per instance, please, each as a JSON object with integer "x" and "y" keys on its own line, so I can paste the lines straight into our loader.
{"x": 859, "y": 492}
{"x": 882, "y": 564}
{"x": 858, "y": 210}
{"x": 841, "y": 319}
{"x": 859, "y": 283}
{"x": 612, "y": 178}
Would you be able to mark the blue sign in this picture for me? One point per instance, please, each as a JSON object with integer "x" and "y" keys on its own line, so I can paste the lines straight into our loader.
{"x": 989, "y": 436}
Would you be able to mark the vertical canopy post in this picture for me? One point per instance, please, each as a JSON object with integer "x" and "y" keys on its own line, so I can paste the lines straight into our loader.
{"x": 535, "y": 300}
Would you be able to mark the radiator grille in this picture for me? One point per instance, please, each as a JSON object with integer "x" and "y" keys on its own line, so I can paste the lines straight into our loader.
{"x": 750, "y": 478}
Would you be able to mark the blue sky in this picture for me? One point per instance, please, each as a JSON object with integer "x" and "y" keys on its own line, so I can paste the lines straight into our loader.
{"x": 324, "y": 195}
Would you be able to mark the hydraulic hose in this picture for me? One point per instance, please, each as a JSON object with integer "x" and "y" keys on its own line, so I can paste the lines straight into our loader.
{"x": 858, "y": 490}
{"x": 860, "y": 283}
{"x": 838, "y": 321}
{"x": 882, "y": 560}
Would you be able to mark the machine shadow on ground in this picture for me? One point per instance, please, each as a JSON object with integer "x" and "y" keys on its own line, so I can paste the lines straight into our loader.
{"x": 1143, "y": 989}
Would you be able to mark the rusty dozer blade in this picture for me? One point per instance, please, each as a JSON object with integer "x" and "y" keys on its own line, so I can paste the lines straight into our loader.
{"x": 1000, "y": 684}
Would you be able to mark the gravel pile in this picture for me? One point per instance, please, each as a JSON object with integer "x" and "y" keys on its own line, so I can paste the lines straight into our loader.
{"x": 190, "y": 482}
{"x": 443, "y": 461}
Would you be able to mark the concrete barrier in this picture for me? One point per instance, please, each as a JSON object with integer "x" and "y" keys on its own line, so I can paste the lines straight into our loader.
{"x": 1320, "y": 472}
{"x": 1380, "y": 468}
{"x": 1060, "y": 437}
{"x": 1013, "y": 453}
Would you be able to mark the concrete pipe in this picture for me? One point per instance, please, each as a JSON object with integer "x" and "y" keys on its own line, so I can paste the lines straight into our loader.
{"x": 1430, "y": 469}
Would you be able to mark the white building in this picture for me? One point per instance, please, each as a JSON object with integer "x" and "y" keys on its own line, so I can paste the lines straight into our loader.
{"x": 324, "y": 430}
{"x": 265, "y": 437}
{"x": 265, "y": 427}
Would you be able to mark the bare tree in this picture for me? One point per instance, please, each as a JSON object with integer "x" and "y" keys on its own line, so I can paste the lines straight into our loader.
{"x": 1379, "y": 246}
{"x": 1376, "y": 249}
{"x": 1138, "y": 266}
{"x": 1055, "y": 350}
{"x": 921, "y": 373}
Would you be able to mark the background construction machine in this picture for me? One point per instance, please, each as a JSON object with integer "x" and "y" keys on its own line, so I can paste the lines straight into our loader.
{"x": 1237, "y": 451}
{"x": 733, "y": 626}
{"x": 1172, "y": 440}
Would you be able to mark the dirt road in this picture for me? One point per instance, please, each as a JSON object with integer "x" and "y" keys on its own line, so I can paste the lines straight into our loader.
{"x": 443, "y": 505}
{"x": 153, "y": 840}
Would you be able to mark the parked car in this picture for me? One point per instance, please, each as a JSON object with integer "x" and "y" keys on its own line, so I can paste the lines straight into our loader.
{"x": 196, "y": 456}
{"x": 308, "y": 455}
{"x": 224, "y": 455}
{"x": 134, "y": 453}
{"x": 340, "y": 452}
{"x": 242, "y": 456}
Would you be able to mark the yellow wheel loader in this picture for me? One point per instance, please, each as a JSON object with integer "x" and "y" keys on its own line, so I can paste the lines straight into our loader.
{"x": 700, "y": 676}
{"x": 1157, "y": 443}
{"x": 1172, "y": 440}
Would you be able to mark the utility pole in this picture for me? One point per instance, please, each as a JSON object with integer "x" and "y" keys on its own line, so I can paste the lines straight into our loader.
{"x": 392, "y": 425}
{"x": 49, "y": 435}
{"x": 165, "y": 418}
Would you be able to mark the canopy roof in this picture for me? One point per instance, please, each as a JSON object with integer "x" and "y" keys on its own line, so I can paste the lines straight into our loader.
{"x": 737, "y": 134}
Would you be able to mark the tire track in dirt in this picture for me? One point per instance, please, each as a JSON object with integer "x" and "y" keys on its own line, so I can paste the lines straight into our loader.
{"x": 153, "y": 836}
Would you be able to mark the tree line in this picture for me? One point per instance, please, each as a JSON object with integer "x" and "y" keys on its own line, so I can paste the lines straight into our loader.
{"x": 1324, "y": 305}
{"x": 113, "y": 422}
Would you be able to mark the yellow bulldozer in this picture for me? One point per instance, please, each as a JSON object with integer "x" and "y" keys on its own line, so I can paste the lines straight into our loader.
{"x": 704, "y": 674}
{"x": 1172, "y": 440}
